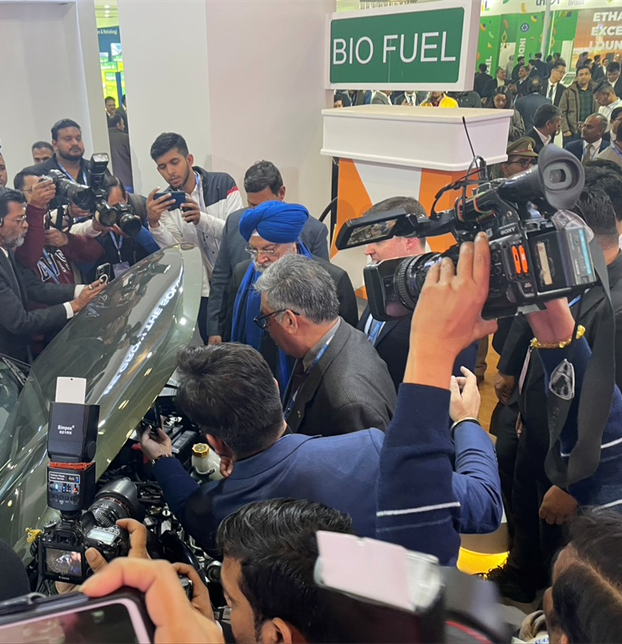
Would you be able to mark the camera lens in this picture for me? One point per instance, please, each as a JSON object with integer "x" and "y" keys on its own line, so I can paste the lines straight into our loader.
{"x": 130, "y": 224}
{"x": 117, "y": 500}
{"x": 410, "y": 277}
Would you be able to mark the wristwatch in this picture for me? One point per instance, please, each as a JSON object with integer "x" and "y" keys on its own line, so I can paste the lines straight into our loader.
{"x": 157, "y": 458}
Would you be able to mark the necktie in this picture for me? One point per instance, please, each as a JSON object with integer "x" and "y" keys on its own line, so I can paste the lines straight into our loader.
{"x": 551, "y": 91}
{"x": 589, "y": 153}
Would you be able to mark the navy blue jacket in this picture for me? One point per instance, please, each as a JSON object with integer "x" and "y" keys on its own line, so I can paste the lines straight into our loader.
{"x": 342, "y": 472}
{"x": 576, "y": 147}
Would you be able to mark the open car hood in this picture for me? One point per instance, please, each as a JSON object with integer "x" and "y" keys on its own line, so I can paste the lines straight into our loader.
{"x": 125, "y": 344}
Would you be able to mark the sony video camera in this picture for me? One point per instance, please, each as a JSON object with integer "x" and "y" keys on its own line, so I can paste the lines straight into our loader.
{"x": 94, "y": 198}
{"x": 87, "y": 519}
{"x": 539, "y": 250}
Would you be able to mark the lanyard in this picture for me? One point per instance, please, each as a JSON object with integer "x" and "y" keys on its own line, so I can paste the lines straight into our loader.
{"x": 117, "y": 244}
{"x": 60, "y": 165}
{"x": 200, "y": 191}
{"x": 292, "y": 400}
{"x": 373, "y": 329}
{"x": 49, "y": 266}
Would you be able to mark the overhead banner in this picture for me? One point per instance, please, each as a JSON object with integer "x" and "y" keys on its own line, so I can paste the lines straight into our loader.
{"x": 599, "y": 32}
{"x": 410, "y": 47}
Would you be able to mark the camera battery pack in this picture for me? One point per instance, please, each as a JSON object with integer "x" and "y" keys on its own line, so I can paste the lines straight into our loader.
{"x": 72, "y": 433}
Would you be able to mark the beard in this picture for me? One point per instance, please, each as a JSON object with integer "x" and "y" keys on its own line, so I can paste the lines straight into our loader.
{"x": 14, "y": 242}
{"x": 258, "y": 267}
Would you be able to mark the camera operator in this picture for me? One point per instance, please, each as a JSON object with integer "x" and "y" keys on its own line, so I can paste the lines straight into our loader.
{"x": 19, "y": 287}
{"x": 391, "y": 338}
{"x": 48, "y": 251}
{"x": 537, "y": 507}
{"x": 120, "y": 250}
{"x": 228, "y": 391}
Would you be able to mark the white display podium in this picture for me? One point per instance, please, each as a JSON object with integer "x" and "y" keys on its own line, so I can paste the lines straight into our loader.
{"x": 390, "y": 150}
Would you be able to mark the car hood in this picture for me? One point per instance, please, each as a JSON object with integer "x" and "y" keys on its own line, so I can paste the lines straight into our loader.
{"x": 125, "y": 344}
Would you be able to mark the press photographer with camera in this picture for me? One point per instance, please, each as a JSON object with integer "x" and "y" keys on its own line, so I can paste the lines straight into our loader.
{"x": 19, "y": 287}
{"x": 50, "y": 253}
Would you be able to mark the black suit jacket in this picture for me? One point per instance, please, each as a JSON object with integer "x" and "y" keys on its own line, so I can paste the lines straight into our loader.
{"x": 17, "y": 323}
{"x": 559, "y": 92}
{"x": 539, "y": 146}
{"x": 618, "y": 87}
{"x": 576, "y": 147}
{"x": 233, "y": 252}
{"x": 393, "y": 343}
{"x": 349, "y": 389}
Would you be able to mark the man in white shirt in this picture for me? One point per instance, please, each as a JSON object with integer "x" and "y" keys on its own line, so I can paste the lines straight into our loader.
{"x": 591, "y": 143}
{"x": 606, "y": 97}
{"x": 554, "y": 88}
{"x": 210, "y": 198}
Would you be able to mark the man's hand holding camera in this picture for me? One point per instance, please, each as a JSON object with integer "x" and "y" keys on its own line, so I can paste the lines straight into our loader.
{"x": 42, "y": 193}
{"x": 448, "y": 317}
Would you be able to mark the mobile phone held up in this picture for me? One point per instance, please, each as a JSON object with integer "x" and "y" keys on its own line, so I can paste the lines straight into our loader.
{"x": 178, "y": 195}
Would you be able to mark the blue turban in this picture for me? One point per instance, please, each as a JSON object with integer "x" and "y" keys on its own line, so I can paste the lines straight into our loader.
{"x": 275, "y": 221}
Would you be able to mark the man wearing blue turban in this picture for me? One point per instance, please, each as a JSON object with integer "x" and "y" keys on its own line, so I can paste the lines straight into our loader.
{"x": 272, "y": 231}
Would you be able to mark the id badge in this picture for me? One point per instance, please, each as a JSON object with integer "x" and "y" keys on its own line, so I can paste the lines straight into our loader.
{"x": 121, "y": 268}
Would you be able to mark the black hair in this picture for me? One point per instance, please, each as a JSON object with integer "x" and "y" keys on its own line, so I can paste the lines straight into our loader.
{"x": 276, "y": 545}
{"x": 114, "y": 120}
{"x": 559, "y": 63}
{"x": 606, "y": 176}
{"x": 8, "y": 196}
{"x": 538, "y": 56}
{"x": 262, "y": 175}
{"x": 549, "y": 58}
{"x": 229, "y": 391}
{"x": 520, "y": 58}
{"x": 19, "y": 181}
{"x": 505, "y": 90}
{"x": 61, "y": 125}
{"x": 411, "y": 205}
{"x": 596, "y": 209}
{"x": 580, "y": 67}
{"x": 110, "y": 181}
{"x": 166, "y": 142}
{"x": 587, "y": 594}
{"x": 524, "y": 67}
{"x": 110, "y": 98}
{"x": 603, "y": 86}
{"x": 613, "y": 67}
{"x": 534, "y": 85}
{"x": 597, "y": 57}
{"x": 615, "y": 113}
{"x": 343, "y": 97}
{"x": 483, "y": 67}
{"x": 545, "y": 113}
{"x": 42, "y": 144}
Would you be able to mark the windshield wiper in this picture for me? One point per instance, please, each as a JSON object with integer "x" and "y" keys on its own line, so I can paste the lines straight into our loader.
{"x": 15, "y": 370}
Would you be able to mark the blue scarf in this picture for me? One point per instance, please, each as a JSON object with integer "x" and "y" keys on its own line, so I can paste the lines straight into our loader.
{"x": 246, "y": 308}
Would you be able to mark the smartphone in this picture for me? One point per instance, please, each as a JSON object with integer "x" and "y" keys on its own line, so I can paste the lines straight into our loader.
{"x": 116, "y": 619}
{"x": 178, "y": 195}
{"x": 105, "y": 271}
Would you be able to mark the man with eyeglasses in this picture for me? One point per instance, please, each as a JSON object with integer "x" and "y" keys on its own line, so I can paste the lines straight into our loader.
{"x": 262, "y": 182}
{"x": 272, "y": 231}
{"x": 521, "y": 156}
{"x": 19, "y": 287}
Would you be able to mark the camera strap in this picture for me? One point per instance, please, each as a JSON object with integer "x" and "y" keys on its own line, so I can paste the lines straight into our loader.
{"x": 596, "y": 396}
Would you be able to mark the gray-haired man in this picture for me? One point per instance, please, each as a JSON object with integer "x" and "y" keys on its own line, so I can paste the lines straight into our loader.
{"x": 339, "y": 384}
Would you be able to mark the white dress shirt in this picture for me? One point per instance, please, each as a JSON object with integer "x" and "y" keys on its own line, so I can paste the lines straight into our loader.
{"x": 545, "y": 139}
{"x": 606, "y": 110}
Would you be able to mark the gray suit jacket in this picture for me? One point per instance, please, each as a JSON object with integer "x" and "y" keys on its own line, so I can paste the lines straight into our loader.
{"x": 349, "y": 389}
{"x": 232, "y": 252}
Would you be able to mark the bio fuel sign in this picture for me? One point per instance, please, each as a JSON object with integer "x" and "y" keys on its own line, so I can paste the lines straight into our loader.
{"x": 420, "y": 46}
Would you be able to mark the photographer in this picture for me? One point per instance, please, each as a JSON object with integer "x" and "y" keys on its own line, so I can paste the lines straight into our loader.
{"x": 48, "y": 251}
{"x": 229, "y": 392}
{"x": 19, "y": 287}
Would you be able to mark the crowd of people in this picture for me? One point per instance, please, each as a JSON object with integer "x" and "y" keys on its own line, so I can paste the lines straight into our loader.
{"x": 326, "y": 419}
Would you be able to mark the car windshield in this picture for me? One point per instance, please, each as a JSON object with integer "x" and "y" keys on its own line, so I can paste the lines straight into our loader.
{"x": 125, "y": 344}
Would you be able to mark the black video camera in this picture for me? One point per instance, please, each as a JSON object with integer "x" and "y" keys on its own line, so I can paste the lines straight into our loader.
{"x": 71, "y": 490}
{"x": 95, "y": 198}
{"x": 539, "y": 251}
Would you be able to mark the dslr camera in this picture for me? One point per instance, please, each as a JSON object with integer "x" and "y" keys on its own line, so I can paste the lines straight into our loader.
{"x": 94, "y": 198}
{"x": 87, "y": 519}
{"x": 539, "y": 250}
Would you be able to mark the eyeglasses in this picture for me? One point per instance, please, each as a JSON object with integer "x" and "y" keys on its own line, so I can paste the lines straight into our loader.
{"x": 262, "y": 321}
{"x": 253, "y": 252}
{"x": 20, "y": 221}
{"x": 523, "y": 162}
